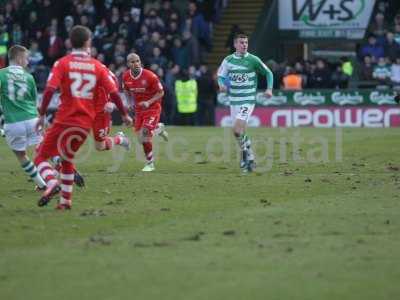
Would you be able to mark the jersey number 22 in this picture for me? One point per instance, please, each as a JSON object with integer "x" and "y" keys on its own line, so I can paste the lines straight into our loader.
{"x": 82, "y": 84}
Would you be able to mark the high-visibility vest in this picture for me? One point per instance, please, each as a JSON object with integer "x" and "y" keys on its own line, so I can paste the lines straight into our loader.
{"x": 292, "y": 82}
{"x": 3, "y": 43}
{"x": 186, "y": 96}
{"x": 347, "y": 68}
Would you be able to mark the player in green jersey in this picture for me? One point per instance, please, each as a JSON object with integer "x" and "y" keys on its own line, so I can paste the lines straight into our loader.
{"x": 18, "y": 102}
{"x": 237, "y": 76}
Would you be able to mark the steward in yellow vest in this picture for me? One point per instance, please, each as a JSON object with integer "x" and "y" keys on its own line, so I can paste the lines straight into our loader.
{"x": 186, "y": 95}
{"x": 186, "y": 98}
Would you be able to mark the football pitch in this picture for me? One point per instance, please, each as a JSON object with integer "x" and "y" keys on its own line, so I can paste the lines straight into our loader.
{"x": 320, "y": 219}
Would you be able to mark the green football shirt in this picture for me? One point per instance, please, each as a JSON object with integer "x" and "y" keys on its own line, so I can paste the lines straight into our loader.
{"x": 17, "y": 94}
{"x": 241, "y": 73}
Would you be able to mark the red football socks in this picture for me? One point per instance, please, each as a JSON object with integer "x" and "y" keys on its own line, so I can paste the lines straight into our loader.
{"x": 148, "y": 150}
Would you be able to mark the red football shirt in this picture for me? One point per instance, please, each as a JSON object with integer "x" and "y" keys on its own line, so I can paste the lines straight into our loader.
{"x": 142, "y": 88}
{"x": 78, "y": 76}
{"x": 102, "y": 94}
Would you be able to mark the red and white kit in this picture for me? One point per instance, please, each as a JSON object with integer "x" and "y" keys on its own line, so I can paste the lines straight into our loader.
{"x": 142, "y": 88}
{"x": 102, "y": 120}
{"x": 78, "y": 76}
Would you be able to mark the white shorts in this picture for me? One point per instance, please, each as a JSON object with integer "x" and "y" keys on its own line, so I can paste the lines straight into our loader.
{"x": 20, "y": 135}
{"x": 241, "y": 112}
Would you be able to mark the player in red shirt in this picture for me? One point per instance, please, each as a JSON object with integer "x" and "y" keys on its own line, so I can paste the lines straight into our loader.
{"x": 146, "y": 90}
{"x": 102, "y": 120}
{"x": 101, "y": 128}
{"x": 78, "y": 76}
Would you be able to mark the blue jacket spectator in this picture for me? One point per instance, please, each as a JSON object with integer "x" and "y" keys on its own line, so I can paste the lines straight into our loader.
{"x": 373, "y": 49}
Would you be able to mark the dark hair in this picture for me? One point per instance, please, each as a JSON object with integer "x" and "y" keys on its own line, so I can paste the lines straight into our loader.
{"x": 240, "y": 36}
{"x": 15, "y": 51}
{"x": 79, "y": 35}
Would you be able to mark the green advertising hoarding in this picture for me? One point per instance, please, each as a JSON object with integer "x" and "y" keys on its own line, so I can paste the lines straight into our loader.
{"x": 321, "y": 97}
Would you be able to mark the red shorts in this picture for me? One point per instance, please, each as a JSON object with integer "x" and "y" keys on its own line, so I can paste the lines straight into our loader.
{"x": 101, "y": 126}
{"x": 62, "y": 140}
{"x": 147, "y": 119}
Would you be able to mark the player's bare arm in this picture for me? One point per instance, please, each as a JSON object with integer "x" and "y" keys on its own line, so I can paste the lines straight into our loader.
{"x": 268, "y": 93}
{"x": 270, "y": 80}
{"x": 127, "y": 120}
{"x": 47, "y": 95}
{"x": 221, "y": 84}
{"x": 157, "y": 97}
{"x": 222, "y": 76}
{"x": 40, "y": 123}
{"x": 116, "y": 99}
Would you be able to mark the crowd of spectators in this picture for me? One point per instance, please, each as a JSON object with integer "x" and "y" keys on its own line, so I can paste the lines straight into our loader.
{"x": 312, "y": 74}
{"x": 173, "y": 41}
{"x": 168, "y": 38}
{"x": 376, "y": 65}
{"x": 380, "y": 56}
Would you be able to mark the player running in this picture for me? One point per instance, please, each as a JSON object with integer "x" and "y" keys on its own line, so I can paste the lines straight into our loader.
{"x": 237, "y": 76}
{"x": 78, "y": 76}
{"x": 18, "y": 101}
{"x": 101, "y": 128}
{"x": 146, "y": 90}
{"x": 102, "y": 120}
